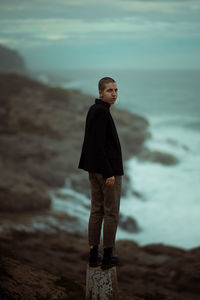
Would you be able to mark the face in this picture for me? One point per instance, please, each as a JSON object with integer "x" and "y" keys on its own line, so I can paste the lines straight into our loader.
{"x": 109, "y": 94}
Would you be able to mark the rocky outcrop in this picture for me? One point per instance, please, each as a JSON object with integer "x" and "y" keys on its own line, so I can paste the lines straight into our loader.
{"x": 128, "y": 224}
{"x": 11, "y": 61}
{"x": 22, "y": 281}
{"x": 21, "y": 193}
{"x": 158, "y": 271}
{"x": 39, "y": 264}
{"x": 158, "y": 157}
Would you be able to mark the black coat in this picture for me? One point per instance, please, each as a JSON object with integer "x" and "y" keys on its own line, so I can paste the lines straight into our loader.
{"x": 101, "y": 150}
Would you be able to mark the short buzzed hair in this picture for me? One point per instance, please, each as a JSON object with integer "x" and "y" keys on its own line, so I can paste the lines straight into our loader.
{"x": 103, "y": 81}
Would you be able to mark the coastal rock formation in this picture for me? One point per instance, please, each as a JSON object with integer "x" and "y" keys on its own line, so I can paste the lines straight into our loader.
{"x": 151, "y": 272}
{"x": 42, "y": 131}
{"x": 11, "y": 61}
{"x": 128, "y": 224}
{"x": 157, "y": 156}
{"x": 34, "y": 283}
{"x": 22, "y": 193}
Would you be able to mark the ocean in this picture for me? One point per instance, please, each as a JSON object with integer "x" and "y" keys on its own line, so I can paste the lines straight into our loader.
{"x": 169, "y": 211}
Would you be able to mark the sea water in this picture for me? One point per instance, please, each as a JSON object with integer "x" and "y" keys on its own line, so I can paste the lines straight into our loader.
{"x": 169, "y": 209}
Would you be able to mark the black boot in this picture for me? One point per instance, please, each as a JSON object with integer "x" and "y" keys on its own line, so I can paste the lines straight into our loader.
{"x": 109, "y": 260}
{"x": 95, "y": 257}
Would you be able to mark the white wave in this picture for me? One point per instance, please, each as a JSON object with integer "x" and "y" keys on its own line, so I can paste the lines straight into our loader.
{"x": 171, "y": 211}
{"x": 76, "y": 205}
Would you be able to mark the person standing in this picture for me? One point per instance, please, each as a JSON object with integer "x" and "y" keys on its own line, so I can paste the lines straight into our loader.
{"x": 101, "y": 157}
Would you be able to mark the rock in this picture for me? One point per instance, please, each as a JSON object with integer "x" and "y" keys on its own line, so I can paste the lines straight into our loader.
{"x": 21, "y": 281}
{"x": 19, "y": 193}
{"x": 157, "y": 249}
{"x": 185, "y": 271}
{"x": 132, "y": 130}
{"x": 158, "y": 157}
{"x": 168, "y": 272}
{"x": 128, "y": 224}
{"x": 11, "y": 61}
{"x": 155, "y": 271}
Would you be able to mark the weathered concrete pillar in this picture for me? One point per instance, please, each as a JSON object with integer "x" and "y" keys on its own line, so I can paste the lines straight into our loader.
{"x": 101, "y": 284}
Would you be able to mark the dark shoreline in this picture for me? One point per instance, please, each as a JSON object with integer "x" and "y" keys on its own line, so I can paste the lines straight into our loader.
{"x": 155, "y": 271}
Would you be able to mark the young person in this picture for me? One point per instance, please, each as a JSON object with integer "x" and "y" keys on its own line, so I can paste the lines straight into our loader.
{"x": 101, "y": 157}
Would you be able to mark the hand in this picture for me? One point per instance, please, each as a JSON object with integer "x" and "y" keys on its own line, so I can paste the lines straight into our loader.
{"x": 110, "y": 181}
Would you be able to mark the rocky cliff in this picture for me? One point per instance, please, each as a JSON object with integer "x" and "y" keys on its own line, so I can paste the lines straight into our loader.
{"x": 11, "y": 61}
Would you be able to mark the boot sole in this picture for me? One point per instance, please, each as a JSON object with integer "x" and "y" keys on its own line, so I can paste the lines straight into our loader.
{"x": 106, "y": 267}
{"x": 94, "y": 265}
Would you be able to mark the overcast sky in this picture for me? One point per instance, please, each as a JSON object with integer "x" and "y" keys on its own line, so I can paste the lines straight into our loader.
{"x": 103, "y": 34}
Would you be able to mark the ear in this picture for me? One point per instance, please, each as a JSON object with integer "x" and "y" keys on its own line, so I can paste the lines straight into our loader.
{"x": 100, "y": 93}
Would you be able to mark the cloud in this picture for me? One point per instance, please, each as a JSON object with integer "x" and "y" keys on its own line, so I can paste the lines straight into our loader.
{"x": 156, "y": 6}
{"x": 88, "y": 26}
{"x": 78, "y": 31}
{"x": 99, "y": 9}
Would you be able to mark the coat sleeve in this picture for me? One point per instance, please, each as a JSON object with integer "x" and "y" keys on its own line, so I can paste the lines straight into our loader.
{"x": 99, "y": 133}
